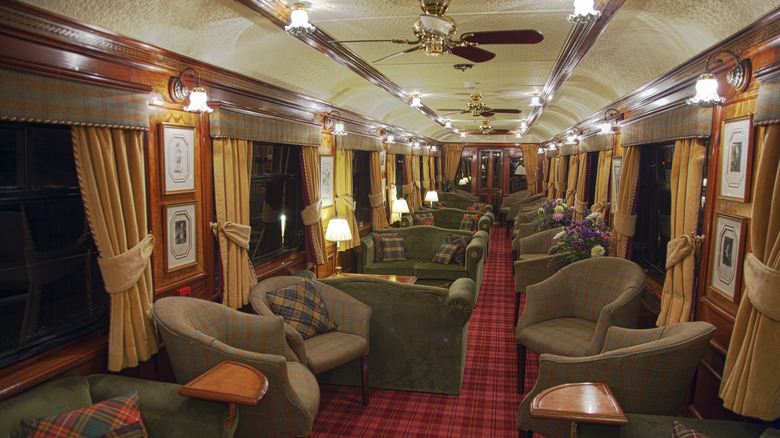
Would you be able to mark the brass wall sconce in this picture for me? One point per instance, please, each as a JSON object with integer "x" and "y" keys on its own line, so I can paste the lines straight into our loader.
{"x": 332, "y": 123}
{"x": 707, "y": 85}
{"x": 179, "y": 92}
{"x": 611, "y": 119}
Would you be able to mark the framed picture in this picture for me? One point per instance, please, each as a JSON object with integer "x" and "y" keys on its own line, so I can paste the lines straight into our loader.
{"x": 180, "y": 235}
{"x": 382, "y": 160}
{"x": 178, "y": 158}
{"x": 326, "y": 181}
{"x": 729, "y": 238}
{"x": 736, "y": 152}
{"x": 617, "y": 167}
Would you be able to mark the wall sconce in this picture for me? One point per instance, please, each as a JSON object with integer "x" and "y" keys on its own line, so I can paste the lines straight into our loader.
{"x": 523, "y": 125}
{"x": 416, "y": 101}
{"x": 448, "y": 124}
{"x": 333, "y": 125}
{"x": 611, "y": 119}
{"x": 584, "y": 12}
{"x": 707, "y": 85}
{"x": 553, "y": 146}
{"x": 462, "y": 134}
{"x": 573, "y": 136}
{"x": 299, "y": 22}
{"x": 198, "y": 97}
{"x": 390, "y": 138}
{"x": 536, "y": 100}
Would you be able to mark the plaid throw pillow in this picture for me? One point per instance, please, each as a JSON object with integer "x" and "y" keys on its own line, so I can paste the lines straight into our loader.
{"x": 301, "y": 306}
{"x": 445, "y": 253}
{"x": 439, "y": 204}
{"x": 379, "y": 250}
{"x": 476, "y": 206}
{"x": 394, "y": 248}
{"x": 113, "y": 418}
{"x": 469, "y": 222}
{"x": 423, "y": 219}
{"x": 681, "y": 431}
{"x": 462, "y": 242}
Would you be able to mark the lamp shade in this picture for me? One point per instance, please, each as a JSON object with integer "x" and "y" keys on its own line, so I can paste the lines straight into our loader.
{"x": 520, "y": 170}
{"x": 338, "y": 231}
{"x": 431, "y": 196}
{"x": 400, "y": 206}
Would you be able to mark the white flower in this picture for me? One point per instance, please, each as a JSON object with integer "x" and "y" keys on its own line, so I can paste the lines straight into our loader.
{"x": 593, "y": 216}
{"x": 541, "y": 209}
{"x": 597, "y": 251}
{"x": 559, "y": 201}
{"x": 559, "y": 235}
{"x": 559, "y": 209}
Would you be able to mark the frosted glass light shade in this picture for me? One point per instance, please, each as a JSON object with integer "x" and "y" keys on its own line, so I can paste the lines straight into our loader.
{"x": 431, "y": 196}
{"x": 198, "y": 98}
{"x": 299, "y": 22}
{"x": 706, "y": 91}
{"x": 400, "y": 206}
{"x": 338, "y": 231}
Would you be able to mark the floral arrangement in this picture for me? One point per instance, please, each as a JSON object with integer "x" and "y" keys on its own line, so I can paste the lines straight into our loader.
{"x": 554, "y": 214}
{"x": 584, "y": 240}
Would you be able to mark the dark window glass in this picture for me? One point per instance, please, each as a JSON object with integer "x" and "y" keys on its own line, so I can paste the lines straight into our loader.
{"x": 517, "y": 176}
{"x": 463, "y": 176}
{"x": 361, "y": 185}
{"x": 593, "y": 168}
{"x": 51, "y": 289}
{"x": 399, "y": 176}
{"x": 275, "y": 201}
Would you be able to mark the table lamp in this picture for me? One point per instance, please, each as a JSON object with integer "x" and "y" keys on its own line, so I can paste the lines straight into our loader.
{"x": 431, "y": 196}
{"x": 399, "y": 208}
{"x": 338, "y": 231}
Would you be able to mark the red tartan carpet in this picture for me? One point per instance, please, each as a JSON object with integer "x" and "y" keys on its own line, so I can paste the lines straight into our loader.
{"x": 488, "y": 402}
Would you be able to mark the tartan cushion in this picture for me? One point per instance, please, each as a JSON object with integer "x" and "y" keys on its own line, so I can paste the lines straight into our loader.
{"x": 445, "y": 253}
{"x": 113, "y": 418}
{"x": 469, "y": 222}
{"x": 301, "y": 306}
{"x": 476, "y": 206}
{"x": 423, "y": 219}
{"x": 394, "y": 248}
{"x": 681, "y": 431}
{"x": 439, "y": 204}
{"x": 462, "y": 242}
{"x": 379, "y": 251}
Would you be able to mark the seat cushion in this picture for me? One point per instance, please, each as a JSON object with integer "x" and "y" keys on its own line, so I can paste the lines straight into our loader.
{"x": 329, "y": 350}
{"x": 437, "y": 270}
{"x": 302, "y": 308}
{"x": 564, "y": 336}
{"x": 400, "y": 267}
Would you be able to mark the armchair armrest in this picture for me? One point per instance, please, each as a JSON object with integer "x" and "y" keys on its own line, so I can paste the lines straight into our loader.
{"x": 623, "y": 312}
{"x": 267, "y": 334}
{"x": 351, "y": 315}
{"x": 475, "y": 251}
{"x": 463, "y": 295}
{"x": 407, "y": 220}
{"x": 524, "y": 230}
{"x": 532, "y": 271}
{"x": 485, "y": 222}
{"x": 547, "y": 300}
{"x": 364, "y": 253}
{"x": 305, "y": 273}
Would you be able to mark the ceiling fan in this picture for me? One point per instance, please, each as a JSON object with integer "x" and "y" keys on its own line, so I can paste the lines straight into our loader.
{"x": 485, "y": 128}
{"x": 435, "y": 34}
{"x": 478, "y": 108}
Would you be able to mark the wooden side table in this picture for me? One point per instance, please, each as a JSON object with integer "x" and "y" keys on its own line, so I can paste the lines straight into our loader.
{"x": 228, "y": 382}
{"x": 578, "y": 403}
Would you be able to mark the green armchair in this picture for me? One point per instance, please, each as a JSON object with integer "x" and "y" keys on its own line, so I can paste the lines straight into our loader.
{"x": 534, "y": 262}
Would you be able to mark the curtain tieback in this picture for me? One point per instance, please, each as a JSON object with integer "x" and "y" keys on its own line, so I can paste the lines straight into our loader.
{"x": 625, "y": 224}
{"x": 438, "y": 178}
{"x": 561, "y": 187}
{"x": 348, "y": 201}
{"x": 237, "y": 233}
{"x": 312, "y": 213}
{"x": 550, "y": 185}
{"x": 580, "y": 206}
{"x": 570, "y": 192}
{"x": 679, "y": 248}
{"x": 600, "y": 207}
{"x": 408, "y": 188}
{"x": 763, "y": 287}
{"x": 417, "y": 183}
{"x": 376, "y": 200}
{"x": 123, "y": 271}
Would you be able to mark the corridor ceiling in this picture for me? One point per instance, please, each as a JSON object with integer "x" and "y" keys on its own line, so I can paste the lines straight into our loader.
{"x": 580, "y": 70}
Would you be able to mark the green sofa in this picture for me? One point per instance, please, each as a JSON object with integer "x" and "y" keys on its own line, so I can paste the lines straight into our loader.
{"x": 417, "y": 335}
{"x": 642, "y": 425}
{"x": 165, "y": 413}
{"x": 455, "y": 200}
{"x": 421, "y": 243}
{"x": 451, "y": 218}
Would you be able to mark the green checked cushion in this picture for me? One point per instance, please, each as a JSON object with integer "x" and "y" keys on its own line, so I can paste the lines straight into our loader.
{"x": 302, "y": 308}
{"x": 394, "y": 248}
{"x": 113, "y": 418}
{"x": 423, "y": 219}
{"x": 462, "y": 242}
{"x": 476, "y": 206}
{"x": 379, "y": 250}
{"x": 445, "y": 253}
{"x": 681, "y": 431}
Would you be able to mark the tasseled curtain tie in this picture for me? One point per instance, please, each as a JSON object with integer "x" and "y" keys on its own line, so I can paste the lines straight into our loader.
{"x": 237, "y": 233}
{"x": 438, "y": 178}
{"x": 417, "y": 183}
{"x": 580, "y": 206}
{"x": 312, "y": 213}
{"x": 679, "y": 248}
{"x": 376, "y": 200}
{"x": 625, "y": 224}
{"x": 560, "y": 186}
{"x": 408, "y": 188}
{"x": 348, "y": 201}
{"x": 763, "y": 287}
{"x": 600, "y": 207}
{"x": 123, "y": 271}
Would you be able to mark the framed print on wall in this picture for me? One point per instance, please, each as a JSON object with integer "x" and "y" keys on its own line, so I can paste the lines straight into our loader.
{"x": 326, "y": 181}
{"x": 617, "y": 168}
{"x": 178, "y": 158}
{"x": 729, "y": 238}
{"x": 736, "y": 152}
{"x": 180, "y": 239}
{"x": 382, "y": 160}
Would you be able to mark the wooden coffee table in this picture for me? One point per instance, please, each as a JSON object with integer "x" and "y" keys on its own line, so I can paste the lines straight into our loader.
{"x": 578, "y": 403}
{"x": 397, "y": 278}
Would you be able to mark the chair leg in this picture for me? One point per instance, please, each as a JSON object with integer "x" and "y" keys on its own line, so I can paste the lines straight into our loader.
{"x": 520, "y": 368}
{"x": 526, "y": 433}
{"x": 517, "y": 307}
{"x": 364, "y": 377}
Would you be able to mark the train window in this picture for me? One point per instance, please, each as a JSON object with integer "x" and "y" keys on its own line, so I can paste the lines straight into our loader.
{"x": 361, "y": 185}
{"x": 399, "y": 176}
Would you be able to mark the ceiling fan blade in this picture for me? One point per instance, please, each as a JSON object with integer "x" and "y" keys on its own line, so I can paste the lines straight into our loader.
{"x": 376, "y": 41}
{"x": 453, "y": 109}
{"x": 413, "y": 49}
{"x": 453, "y": 114}
{"x": 507, "y": 111}
{"x": 504, "y": 37}
{"x": 487, "y": 114}
{"x": 473, "y": 54}
{"x": 500, "y": 132}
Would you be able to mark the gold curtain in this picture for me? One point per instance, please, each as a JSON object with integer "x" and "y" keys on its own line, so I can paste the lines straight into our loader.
{"x": 687, "y": 171}
{"x": 432, "y": 171}
{"x": 376, "y": 197}
{"x": 345, "y": 203}
{"x": 452, "y": 154}
{"x": 571, "y": 180}
{"x": 545, "y": 173}
{"x": 425, "y": 177}
{"x": 438, "y": 173}
{"x": 601, "y": 195}
{"x": 408, "y": 183}
{"x": 112, "y": 179}
{"x": 392, "y": 184}
{"x": 316, "y": 247}
{"x": 624, "y": 224}
{"x": 416, "y": 171}
{"x": 560, "y": 177}
{"x": 751, "y": 381}
{"x": 231, "y": 198}
{"x": 581, "y": 196}
{"x": 531, "y": 163}
{"x": 552, "y": 177}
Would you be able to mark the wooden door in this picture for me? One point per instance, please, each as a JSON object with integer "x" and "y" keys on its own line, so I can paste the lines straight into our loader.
{"x": 490, "y": 175}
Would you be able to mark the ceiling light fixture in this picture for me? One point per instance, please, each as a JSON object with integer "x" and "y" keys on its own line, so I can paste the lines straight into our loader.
{"x": 707, "y": 85}
{"x": 463, "y": 67}
{"x": 536, "y": 100}
{"x": 299, "y": 22}
{"x": 416, "y": 101}
{"x": 573, "y": 136}
{"x": 448, "y": 124}
{"x": 333, "y": 124}
{"x": 523, "y": 125}
{"x": 198, "y": 97}
{"x": 584, "y": 12}
{"x": 462, "y": 134}
{"x": 611, "y": 118}
{"x": 390, "y": 138}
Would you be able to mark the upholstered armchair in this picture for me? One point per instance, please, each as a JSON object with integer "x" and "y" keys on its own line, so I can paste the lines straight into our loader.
{"x": 569, "y": 313}
{"x": 541, "y": 242}
{"x": 535, "y": 261}
{"x": 508, "y": 200}
{"x": 324, "y": 351}
{"x": 648, "y": 371}
{"x": 199, "y": 334}
{"x": 519, "y": 211}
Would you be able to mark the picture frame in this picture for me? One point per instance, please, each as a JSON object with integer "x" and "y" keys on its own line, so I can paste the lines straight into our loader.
{"x": 728, "y": 250}
{"x": 177, "y": 159}
{"x": 181, "y": 240}
{"x": 326, "y": 181}
{"x": 736, "y": 153}
{"x": 617, "y": 170}
{"x": 382, "y": 160}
